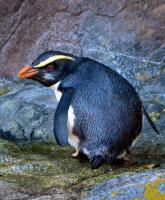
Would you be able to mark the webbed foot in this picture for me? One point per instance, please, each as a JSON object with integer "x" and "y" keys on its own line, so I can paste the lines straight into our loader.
{"x": 75, "y": 155}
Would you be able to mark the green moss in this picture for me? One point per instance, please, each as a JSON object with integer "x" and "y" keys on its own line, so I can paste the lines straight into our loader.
{"x": 155, "y": 116}
{"x": 48, "y": 165}
{"x": 5, "y": 90}
{"x": 114, "y": 194}
{"x": 40, "y": 167}
{"x": 9, "y": 147}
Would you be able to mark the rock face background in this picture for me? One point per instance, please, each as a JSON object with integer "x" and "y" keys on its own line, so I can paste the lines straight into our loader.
{"x": 127, "y": 35}
{"x": 102, "y": 29}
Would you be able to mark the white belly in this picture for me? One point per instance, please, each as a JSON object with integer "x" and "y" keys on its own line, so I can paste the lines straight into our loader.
{"x": 57, "y": 93}
{"x": 72, "y": 139}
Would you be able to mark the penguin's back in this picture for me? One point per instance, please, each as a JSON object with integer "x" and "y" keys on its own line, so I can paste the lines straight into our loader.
{"x": 98, "y": 87}
{"x": 107, "y": 108}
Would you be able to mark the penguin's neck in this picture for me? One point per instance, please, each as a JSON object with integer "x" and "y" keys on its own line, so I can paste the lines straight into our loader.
{"x": 57, "y": 92}
{"x": 54, "y": 87}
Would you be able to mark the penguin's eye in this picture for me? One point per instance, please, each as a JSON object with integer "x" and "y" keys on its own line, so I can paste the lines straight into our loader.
{"x": 50, "y": 68}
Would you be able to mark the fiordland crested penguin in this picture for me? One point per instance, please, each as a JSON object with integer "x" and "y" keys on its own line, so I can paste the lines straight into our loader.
{"x": 99, "y": 112}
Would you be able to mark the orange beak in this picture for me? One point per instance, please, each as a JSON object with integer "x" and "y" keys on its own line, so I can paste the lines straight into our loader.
{"x": 27, "y": 72}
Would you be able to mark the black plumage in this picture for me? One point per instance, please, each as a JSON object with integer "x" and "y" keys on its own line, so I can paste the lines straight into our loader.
{"x": 107, "y": 110}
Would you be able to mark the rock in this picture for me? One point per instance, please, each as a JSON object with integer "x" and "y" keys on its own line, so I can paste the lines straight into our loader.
{"x": 8, "y": 191}
{"x": 145, "y": 185}
{"x": 134, "y": 29}
{"x": 47, "y": 171}
{"x": 26, "y": 113}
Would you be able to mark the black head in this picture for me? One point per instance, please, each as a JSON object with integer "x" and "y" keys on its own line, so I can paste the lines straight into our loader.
{"x": 49, "y": 67}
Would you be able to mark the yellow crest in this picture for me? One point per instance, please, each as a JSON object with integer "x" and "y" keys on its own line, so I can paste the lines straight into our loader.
{"x": 52, "y": 59}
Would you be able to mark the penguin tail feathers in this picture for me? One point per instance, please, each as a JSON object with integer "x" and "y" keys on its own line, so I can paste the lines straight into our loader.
{"x": 150, "y": 121}
{"x": 96, "y": 161}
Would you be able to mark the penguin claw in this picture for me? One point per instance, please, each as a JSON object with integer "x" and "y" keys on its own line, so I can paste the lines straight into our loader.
{"x": 126, "y": 158}
{"x": 75, "y": 154}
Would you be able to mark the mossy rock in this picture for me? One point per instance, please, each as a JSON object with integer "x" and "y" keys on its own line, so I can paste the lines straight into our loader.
{"x": 39, "y": 168}
{"x": 5, "y": 90}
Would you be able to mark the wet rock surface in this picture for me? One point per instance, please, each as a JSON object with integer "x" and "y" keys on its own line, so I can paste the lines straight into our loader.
{"x": 49, "y": 172}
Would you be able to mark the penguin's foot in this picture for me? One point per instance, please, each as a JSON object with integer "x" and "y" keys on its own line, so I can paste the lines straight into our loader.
{"x": 126, "y": 158}
{"x": 75, "y": 155}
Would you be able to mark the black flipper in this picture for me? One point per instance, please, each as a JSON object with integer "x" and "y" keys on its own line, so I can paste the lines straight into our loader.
{"x": 150, "y": 121}
{"x": 96, "y": 161}
{"x": 61, "y": 118}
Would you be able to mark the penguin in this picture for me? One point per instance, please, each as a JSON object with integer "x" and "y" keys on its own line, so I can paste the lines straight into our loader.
{"x": 99, "y": 112}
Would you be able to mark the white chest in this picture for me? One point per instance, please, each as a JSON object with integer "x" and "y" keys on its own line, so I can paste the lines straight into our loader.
{"x": 72, "y": 139}
{"x": 57, "y": 93}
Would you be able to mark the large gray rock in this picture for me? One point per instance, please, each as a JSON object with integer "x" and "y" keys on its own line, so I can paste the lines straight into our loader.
{"x": 131, "y": 28}
{"x": 26, "y": 113}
